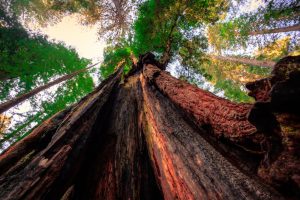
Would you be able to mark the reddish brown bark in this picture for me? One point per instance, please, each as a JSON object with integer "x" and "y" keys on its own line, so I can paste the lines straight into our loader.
{"x": 146, "y": 138}
{"x": 185, "y": 164}
{"x": 167, "y": 53}
{"x": 219, "y": 117}
{"x": 226, "y": 118}
{"x": 133, "y": 59}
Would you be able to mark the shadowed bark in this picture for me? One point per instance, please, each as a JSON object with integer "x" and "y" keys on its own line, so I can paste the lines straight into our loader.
{"x": 277, "y": 111}
{"x": 150, "y": 137}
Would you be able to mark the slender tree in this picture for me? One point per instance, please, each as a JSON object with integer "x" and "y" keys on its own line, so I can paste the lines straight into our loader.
{"x": 247, "y": 61}
{"x": 15, "y": 101}
{"x": 277, "y": 30}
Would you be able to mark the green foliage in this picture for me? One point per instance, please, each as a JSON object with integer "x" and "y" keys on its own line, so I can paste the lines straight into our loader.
{"x": 167, "y": 26}
{"x": 191, "y": 52}
{"x": 33, "y": 60}
{"x": 230, "y": 77}
{"x": 112, "y": 57}
{"x": 275, "y": 50}
{"x": 232, "y": 91}
{"x": 171, "y": 29}
{"x": 280, "y": 10}
{"x": 235, "y": 32}
{"x": 146, "y": 37}
{"x": 229, "y": 34}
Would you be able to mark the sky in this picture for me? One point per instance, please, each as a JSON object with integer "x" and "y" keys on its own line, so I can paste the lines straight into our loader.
{"x": 251, "y": 5}
{"x": 83, "y": 38}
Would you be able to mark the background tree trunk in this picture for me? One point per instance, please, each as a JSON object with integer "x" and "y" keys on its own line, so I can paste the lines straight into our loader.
{"x": 151, "y": 137}
{"x": 277, "y": 30}
{"x": 247, "y": 61}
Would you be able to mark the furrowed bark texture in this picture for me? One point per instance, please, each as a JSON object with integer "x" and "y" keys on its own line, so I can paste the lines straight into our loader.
{"x": 186, "y": 165}
{"x": 149, "y": 137}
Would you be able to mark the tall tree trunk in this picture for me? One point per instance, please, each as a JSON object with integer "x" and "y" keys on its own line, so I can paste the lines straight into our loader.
{"x": 277, "y": 30}
{"x": 261, "y": 63}
{"x": 11, "y": 103}
{"x": 151, "y": 137}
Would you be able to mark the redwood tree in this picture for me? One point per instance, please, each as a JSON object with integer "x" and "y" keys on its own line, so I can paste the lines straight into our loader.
{"x": 152, "y": 136}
